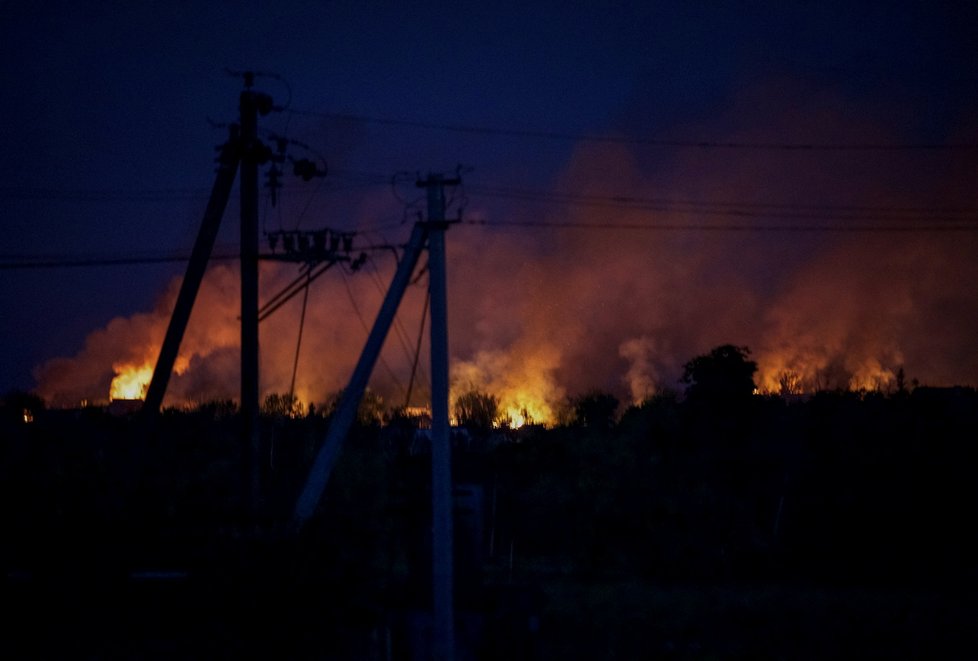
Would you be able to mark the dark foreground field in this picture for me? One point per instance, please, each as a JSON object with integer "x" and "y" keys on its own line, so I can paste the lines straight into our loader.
{"x": 838, "y": 526}
{"x": 198, "y": 618}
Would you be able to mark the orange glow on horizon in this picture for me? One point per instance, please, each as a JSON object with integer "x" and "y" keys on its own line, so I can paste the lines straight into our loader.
{"x": 782, "y": 375}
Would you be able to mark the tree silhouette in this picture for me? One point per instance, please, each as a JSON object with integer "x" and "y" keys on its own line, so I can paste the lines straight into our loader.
{"x": 596, "y": 410}
{"x": 724, "y": 374}
{"x": 281, "y": 405}
{"x": 477, "y": 410}
{"x": 371, "y": 411}
{"x": 20, "y": 405}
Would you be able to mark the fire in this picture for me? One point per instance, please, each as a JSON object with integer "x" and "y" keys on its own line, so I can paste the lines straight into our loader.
{"x": 522, "y": 381}
{"x": 516, "y": 417}
{"x": 130, "y": 381}
{"x": 780, "y": 373}
{"x": 520, "y": 409}
{"x": 537, "y": 313}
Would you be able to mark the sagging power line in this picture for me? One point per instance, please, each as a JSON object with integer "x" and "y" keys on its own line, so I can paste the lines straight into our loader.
{"x": 736, "y": 208}
{"x": 30, "y": 263}
{"x": 733, "y": 208}
{"x": 497, "y": 131}
{"x": 682, "y": 227}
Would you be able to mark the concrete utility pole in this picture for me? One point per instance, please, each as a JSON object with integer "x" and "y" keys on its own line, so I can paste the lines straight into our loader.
{"x": 441, "y": 451}
{"x": 432, "y": 232}
{"x": 251, "y": 155}
{"x": 245, "y": 149}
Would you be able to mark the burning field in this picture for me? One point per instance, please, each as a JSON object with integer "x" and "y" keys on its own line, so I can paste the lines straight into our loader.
{"x": 837, "y": 270}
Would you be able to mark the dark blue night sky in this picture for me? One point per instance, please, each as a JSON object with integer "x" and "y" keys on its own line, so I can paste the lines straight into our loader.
{"x": 107, "y": 153}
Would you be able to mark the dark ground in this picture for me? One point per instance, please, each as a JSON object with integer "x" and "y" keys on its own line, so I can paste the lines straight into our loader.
{"x": 839, "y": 526}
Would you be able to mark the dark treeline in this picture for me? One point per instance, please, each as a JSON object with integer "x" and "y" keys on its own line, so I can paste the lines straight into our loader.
{"x": 846, "y": 487}
{"x": 715, "y": 523}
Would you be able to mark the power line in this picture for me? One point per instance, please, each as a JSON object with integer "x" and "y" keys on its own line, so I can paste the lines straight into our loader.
{"x": 417, "y": 349}
{"x": 697, "y": 227}
{"x": 14, "y": 261}
{"x": 143, "y": 195}
{"x": 27, "y": 263}
{"x": 646, "y": 142}
{"x": 103, "y": 195}
{"x": 727, "y": 207}
{"x": 720, "y": 207}
{"x": 399, "y": 329}
{"x": 366, "y": 328}
{"x": 749, "y": 209}
{"x": 31, "y": 264}
{"x": 858, "y": 219}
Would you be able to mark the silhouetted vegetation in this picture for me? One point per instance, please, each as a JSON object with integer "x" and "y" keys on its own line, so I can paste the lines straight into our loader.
{"x": 595, "y": 410}
{"x": 371, "y": 411}
{"x": 476, "y": 410}
{"x": 723, "y": 375}
{"x": 720, "y": 524}
{"x": 282, "y": 405}
{"x": 20, "y": 406}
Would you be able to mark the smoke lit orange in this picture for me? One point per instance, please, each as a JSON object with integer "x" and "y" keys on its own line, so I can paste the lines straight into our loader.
{"x": 538, "y": 313}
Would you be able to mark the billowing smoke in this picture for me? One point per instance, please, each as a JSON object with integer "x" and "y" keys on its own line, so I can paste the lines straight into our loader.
{"x": 538, "y": 313}
{"x": 208, "y": 364}
{"x": 642, "y": 377}
{"x": 822, "y": 298}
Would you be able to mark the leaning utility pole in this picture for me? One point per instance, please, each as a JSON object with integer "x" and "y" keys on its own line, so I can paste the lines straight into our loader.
{"x": 431, "y": 232}
{"x": 346, "y": 410}
{"x": 245, "y": 150}
{"x": 228, "y": 160}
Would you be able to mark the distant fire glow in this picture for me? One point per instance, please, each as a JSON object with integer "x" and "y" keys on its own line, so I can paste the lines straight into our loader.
{"x": 131, "y": 382}
{"x": 540, "y": 313}
{"x": 781, "y": 375}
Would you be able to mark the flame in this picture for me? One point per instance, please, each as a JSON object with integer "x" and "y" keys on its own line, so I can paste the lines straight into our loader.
{"x": 130, "y": 381}
{"x": 780, "y": 373}
{"x": 522, "y": 380}
{"x": 538, "y": 314}
{"x": 516, "y": 417}
{"x": 522, "y": 409}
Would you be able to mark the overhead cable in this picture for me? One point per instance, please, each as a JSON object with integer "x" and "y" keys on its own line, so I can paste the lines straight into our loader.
{"x": 800, "y": 146}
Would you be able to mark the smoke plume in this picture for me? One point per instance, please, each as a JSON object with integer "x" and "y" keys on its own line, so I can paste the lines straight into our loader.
{"x": 538, "y": 313}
